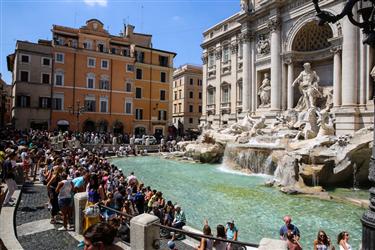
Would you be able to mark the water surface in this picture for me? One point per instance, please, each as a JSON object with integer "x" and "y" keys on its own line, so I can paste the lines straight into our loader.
{"x": 205, "y": 191}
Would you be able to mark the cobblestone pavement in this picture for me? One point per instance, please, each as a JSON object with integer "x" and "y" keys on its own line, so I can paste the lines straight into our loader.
{"x": 32, "y": 208}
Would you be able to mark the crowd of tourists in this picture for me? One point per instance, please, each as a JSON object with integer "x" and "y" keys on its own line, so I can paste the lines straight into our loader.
{"x": 28, "y": 155}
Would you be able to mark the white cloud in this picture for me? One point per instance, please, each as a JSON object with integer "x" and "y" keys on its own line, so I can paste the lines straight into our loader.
{"x": 102, "y": 3}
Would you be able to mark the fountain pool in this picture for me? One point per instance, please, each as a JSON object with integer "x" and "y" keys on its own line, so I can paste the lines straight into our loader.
{"x": 205, "y": 191}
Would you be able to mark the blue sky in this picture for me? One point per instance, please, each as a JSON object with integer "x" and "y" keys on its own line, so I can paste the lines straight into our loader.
{"x": 176, "y": 25}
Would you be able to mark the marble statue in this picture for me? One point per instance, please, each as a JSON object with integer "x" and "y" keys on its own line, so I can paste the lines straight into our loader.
{"x": 244, "y": 5}
{"x": 308, "y": 124}
{"x": 264, "y": 92}
{"x": 258, "y": 125}
{"x": 308, "y": 85}
{"x": 263, "y": 45}
{"x": 326, "y": 124}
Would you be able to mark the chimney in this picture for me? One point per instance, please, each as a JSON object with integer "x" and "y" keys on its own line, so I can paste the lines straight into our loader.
{"x": 129, "y": 30}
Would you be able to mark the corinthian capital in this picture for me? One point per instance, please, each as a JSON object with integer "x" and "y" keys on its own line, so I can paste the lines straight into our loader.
{"x": 246, "y": 36}
{"x": 336, "y": 49}
{"x": 218, "y": 54}
{"x": 274, "y": 24}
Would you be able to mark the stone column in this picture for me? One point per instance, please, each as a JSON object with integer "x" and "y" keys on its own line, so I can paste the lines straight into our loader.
{"x": 290, "y": 79}
{"x": 233, "y": 87}
{"x": 144, "y": 234}
{"x": 218, "y": 56}
{"x": 80, "y": 200}
{"x": 254, "y": 98}
{"x": 246, "y": 37}
{"x": 274, "y": 26}
{"x": 350, "y": 64}
{"x": 336, "y": 76}
{"x": 362, "y": 72}
{"x": 204, "y": 85}
{"x": 369, "y": 65}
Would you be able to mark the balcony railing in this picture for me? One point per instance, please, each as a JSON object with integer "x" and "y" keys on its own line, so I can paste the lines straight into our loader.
{"x": 225, "y": 105}
{"x": 211, "y": 107}
{"x": 239, "y": 104}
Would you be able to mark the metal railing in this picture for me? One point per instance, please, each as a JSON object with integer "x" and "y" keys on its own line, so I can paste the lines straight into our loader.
{"x": 184, "y": 232}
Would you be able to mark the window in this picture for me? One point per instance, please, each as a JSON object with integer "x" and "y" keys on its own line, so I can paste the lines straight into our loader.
{"x": 129, "y": 68}
{"x": 191, "y": 120}
{"x": 163, "y": 77}
{"x": 139, "y": 114}
{"x": 226, "y": 54}
{"x": 163, "y": 60}
{"x": 44, "y": 102}
{"x": 200, "y": 109}
{"x": 128, "y": 107}
{"x": 113, "y": 50}
{"x": 128, "y": 87}
{"x": 46, "y": 78}
{"x": 91, "y": 62}
{"x": 211, "y": 60}
{"x": 191, "y": 109}
{"x": 139, "y": 74}
{"x": 162, "y": 95}
{"x": 59, "y": 78}
{"x": 74, "y": 43}
{"x": 225, "y": 27}
{"x": 200, "y": 95}
{"x": 211, "y": 96}
{"x": 25, "y": 58}
{"x": 60, "y": 41}
{"x": 90, "y": 80}
{"x": 140, "y": 56}
{"x": 59, "y": 57}
{"x": 46, "y": 61}
{"x": 179, "y": 108}
{"x": 211, "y": 34}
{"x": 225, "y": 95}
{"x": 174, "y": 108}
{"x": 24, "y": 76}
{"x": 23, "y": 101}
{"x": 240, "y": 50}
{"x": 180, "y": 94}
{"x": 138, "y": 93}
{"x": 87, "y": 44}
{"x": 175, "y": 95}
{"x": 191, "y": 95}
{"x": 90, "y": 104}
{"x": 191, "y": 81}
{"x": 58, "y": 101}
{"x": 162, "y": 116}
{"x": 199, "y": 82}
{"x": 104, "y": 84}
{"x": 101, "y": 47}
{"x": 105, "y": 64}
{"x": 103, "y": 105}
{"x": 126, "y": 51}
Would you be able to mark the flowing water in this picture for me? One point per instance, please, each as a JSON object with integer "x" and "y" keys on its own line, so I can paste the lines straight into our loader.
{"x": 205, "y": 191}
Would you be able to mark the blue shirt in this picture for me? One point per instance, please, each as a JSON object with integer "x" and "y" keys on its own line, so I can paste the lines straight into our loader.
{"x": 230, "y": 232}
{"x": 78, "y": 182}
{"x": 284, "y": 231}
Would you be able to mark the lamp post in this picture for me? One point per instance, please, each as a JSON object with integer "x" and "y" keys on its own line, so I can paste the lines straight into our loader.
{"x": 77, "y": 112}
{"x": 366, "y": 10}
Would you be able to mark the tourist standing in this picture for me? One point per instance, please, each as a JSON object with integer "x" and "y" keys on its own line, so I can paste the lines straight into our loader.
{"x": 292, "y": 239}
{"x": 93, "y": 197}
{"x": 8, "y": 175}
{"x": 322, "y": 242}
{"x": 284, "y": 229}
{"x": 64, "y": 190}
{"x": 220, "y": 233}
{"x": 205, "y": 244}
{"x": 342, "y": 240}
{"x": 51, "y": 187}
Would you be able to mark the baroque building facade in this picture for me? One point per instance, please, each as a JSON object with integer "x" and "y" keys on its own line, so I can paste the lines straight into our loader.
{"x": 251, "y": 62}
{"x": 187, "y": 97}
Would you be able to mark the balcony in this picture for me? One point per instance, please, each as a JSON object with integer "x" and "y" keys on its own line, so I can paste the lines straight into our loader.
{"x": 211, "y": 71}
{"x": 211, "y": 107}
{"x": 226, "y": 67}
{"x": 225, "y": 106}
{"x": 239, "y": 104}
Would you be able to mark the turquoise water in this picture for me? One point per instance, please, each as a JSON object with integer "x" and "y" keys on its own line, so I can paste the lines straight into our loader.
{"x": 205, "y": 191}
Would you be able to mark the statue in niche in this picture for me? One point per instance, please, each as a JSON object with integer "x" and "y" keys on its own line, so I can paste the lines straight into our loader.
{"x": 308, "y": 86}
{"x": 263, "y": 45}
{"x": 244, "y": 5}
{"x": 264, "y": 92}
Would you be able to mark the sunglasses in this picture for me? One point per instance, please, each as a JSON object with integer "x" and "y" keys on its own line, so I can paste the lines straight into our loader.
{"x": 321, "y": 235}
{"x": 346, "y": 234}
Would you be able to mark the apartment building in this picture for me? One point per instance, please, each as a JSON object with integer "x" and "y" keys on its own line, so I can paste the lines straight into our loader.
{"x": 5, "y": 102}
{"x": 31, "y": 67}
{"x": 187, "y": 97}
{"x": 109, "y": 83}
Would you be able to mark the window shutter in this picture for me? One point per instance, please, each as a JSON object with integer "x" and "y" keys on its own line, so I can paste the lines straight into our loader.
{"x": 27, "y": 101}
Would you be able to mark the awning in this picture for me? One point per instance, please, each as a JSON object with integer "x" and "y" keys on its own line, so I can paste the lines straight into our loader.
{"x": 62, "y": 123}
